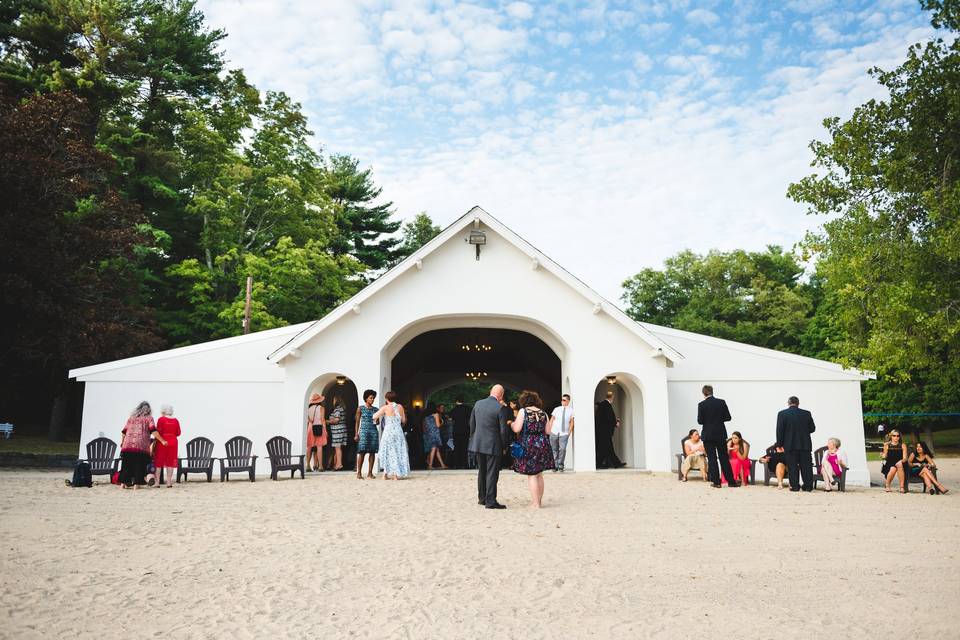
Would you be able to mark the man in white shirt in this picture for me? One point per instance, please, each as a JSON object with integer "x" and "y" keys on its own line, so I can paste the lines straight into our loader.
{"x": 561, "y": 428}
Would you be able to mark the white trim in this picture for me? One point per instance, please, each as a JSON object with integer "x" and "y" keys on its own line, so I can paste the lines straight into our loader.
{"x": 854, "y": 374}
{"x": 190, "y": 349}
{"x": 475, "y": 216}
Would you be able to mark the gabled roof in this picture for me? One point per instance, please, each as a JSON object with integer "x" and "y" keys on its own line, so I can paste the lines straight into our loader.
{"x": 257, "y": 336}
{"x": 467, "y": 219}
{"x": 783, "y": 356}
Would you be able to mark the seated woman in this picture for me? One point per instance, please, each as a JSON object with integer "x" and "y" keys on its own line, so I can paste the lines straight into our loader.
{"x": 894, "y": 458}
{"x": 739, "y": 451}
{"x": 834, "y": 462}
{"x": 922, "y": 466}
{"x": 694, "y": 455}
{"x": 776, "y": 461}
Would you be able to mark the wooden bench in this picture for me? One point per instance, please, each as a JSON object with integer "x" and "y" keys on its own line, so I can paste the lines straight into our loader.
{"x": 278, "y": 449}
{"x": 101, "y": 455}
{"x": 6, "y": 429}
{"x": 238, "y": 458}
{"x": 199, "y": 459}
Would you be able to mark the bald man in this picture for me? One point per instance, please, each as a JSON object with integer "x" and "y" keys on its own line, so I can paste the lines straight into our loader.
{"x": 487, "y": 435}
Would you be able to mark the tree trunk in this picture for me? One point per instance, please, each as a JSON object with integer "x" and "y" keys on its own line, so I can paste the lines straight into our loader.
{"x": 928, "y": 437}
{"x": 58, "y": 417}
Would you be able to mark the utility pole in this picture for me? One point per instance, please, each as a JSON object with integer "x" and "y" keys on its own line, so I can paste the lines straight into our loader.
{"x": 246, "y": 308}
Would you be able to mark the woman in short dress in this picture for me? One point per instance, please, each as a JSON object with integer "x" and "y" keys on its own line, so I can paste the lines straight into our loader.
{"x": 432, "y": 442}
{"x": 533, "y": 434}
{"x": 894, "y": 458}
{"x": 922, "y": 466}
{"x": 135, "y": 446}
{"x": 739, "y": 451}
{"x": 165, "y": 454}
{"x": 393, "y": 455}
{"x": 316, "y": 432}
{"x": 337, "y": 425}
{"x": 367, "y": 438}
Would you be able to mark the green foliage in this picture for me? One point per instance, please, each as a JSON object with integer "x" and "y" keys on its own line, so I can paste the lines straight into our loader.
{"x": 890, "y": 254}
{"x": 363, "y": 226}
{"x": 752, "y": 297}
{"x": 416, "y": 233}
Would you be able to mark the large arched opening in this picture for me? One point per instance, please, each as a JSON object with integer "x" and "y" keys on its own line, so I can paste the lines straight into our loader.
{"x": 470, "y": 354}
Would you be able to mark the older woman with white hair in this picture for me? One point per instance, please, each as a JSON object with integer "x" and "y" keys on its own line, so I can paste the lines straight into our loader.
{"x": 165, "y": 453}
{"x": 833, "y": 464}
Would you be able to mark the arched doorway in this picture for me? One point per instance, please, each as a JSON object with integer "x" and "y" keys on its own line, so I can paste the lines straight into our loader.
{"x": 471, "y": 359}
{"x": 627, "y": 401}
{"x": 333, "y": 386}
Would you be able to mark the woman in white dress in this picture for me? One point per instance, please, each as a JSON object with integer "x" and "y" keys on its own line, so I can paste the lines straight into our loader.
{"x": 393, "y": 456}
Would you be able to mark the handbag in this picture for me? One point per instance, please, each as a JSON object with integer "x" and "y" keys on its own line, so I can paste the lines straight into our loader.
{"x": 517, "y": 450}
{"x": 317, "y": 430}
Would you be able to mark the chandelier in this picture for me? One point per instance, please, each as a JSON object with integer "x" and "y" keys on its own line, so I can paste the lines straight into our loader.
{"x": 477, "y": 348}
{"x": 476, "y": 375}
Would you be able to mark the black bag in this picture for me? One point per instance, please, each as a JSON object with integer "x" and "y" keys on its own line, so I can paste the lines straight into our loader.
{"x": 317, "y": 430}
{"x": 81, "y": 475}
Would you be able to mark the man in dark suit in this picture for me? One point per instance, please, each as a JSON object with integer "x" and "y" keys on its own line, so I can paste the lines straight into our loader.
{"x": 712, "y": 413}
{"x": 605, "y": 421}
{"x": 487, "y": 435}
{"x": 460, "y": 414}
{"x": 794, "y": 426}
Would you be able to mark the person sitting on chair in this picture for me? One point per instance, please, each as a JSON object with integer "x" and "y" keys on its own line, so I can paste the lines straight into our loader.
{"x": 694, "y": 456}
{"x": 833, "y": 464}
{"x": 922, "y": 466}
{"x": 777, "y": 464}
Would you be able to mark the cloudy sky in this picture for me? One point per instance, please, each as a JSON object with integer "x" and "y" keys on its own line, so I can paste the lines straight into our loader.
{"x": 609, "y": 134}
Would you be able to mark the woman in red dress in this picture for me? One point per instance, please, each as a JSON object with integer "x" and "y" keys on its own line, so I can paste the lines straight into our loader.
{"x": 165, "y": 454}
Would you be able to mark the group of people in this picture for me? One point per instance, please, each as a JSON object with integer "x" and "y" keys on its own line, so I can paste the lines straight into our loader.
{"x": 148, "y": 448}
{"x": 726, "y": 460}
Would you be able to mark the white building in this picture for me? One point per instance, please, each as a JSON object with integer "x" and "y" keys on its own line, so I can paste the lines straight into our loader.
{"x": 547, "y": 331}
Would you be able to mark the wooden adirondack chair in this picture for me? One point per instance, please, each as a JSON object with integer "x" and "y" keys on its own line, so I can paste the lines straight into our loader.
{"x": 199, "y": 459}
{"x": 278, "y": 448}
{"x": 101, "y": 455}
{"x": 817, "y": 461}
{"x": 238, "y": 458}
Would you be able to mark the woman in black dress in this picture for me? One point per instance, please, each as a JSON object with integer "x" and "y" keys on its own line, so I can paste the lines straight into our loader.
{"x": 894, "y": 458}
{"x": 922, "y": 465}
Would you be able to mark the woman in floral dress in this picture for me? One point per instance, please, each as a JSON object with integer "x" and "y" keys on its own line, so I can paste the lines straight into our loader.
{"x": 432, "y": 442}
{"x": 367, "y": 438}
{"x": 533, "y": 435}
{"x": 393, "y": 455}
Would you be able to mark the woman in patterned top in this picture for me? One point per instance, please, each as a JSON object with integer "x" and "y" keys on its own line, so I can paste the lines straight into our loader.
{"x": 336, "y": 423}
{"x": 367, "y": 438}
{"x": 135, "y": 446}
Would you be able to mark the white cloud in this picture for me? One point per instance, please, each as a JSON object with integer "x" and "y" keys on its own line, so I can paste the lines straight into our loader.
{"x": 520, "y": 10}
{"x": 702, "y": 17}
{"x": 642, "y": 62}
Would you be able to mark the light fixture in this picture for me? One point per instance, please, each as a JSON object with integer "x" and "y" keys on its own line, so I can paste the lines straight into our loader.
{"x": 611, "y": 379}
{"x": 476, "y": 375}
{"x": 477, "y": 238}
{"x": 476, "y": 347}
{"x": 417, "y": 404}
{"x": 341, "y": 380}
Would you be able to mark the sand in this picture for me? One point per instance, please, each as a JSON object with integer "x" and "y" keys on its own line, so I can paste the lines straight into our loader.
{"x": 611, "y": 554}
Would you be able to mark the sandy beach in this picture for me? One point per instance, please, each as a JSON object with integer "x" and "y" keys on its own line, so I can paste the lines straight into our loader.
{"x": 611, "y": 555}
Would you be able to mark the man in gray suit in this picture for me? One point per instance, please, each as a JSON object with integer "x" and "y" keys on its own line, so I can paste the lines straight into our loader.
{"x": 487, "y": 435}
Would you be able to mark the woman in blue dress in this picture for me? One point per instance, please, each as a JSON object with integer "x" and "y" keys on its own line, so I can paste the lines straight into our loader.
{"x": 533, "y": 435}
{"x": 367, "y": 438}
{"x": 394, "y": 458}
{"x": 432, "y": 442}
